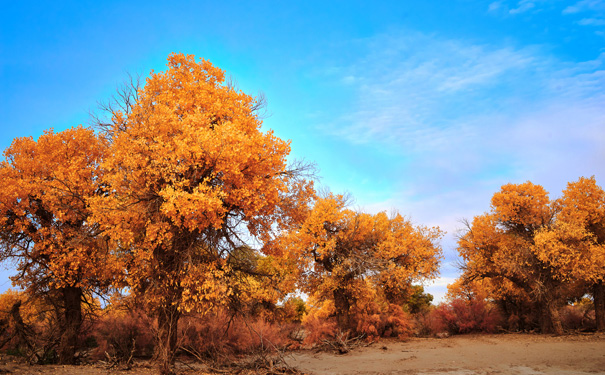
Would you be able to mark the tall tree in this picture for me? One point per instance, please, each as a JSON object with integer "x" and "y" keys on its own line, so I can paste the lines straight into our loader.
{"x": 348, "y": 257}
{"x": 575, "y": 246}
{"x": 193, "y": 178}
{"x": 501, "y": 244}
{"x": 45, "y": 223}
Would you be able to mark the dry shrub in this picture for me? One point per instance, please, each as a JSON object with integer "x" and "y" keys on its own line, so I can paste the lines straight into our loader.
{"x": 390, "y": 321}
{"x": 578, "y": 317}
{"x": 370, "y": 320}
{"x": 318, "y": 328}
{"x": 122, "y": 335}
{"x": 428, "y": 323}
{"x": 219, "y": 334}
{"x": 465, "y": 316}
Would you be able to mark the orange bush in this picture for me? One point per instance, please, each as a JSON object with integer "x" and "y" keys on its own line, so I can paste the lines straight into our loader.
{"x": 465, "y": 316}
{"x": 219, "y": 334}
{"x": 390, "y": 321}
{"x": 122, "y": 335}
{"x": 318, "y": 328}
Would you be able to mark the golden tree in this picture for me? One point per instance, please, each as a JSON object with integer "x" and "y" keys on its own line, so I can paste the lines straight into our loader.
{"x": 575, "y": 246}
{"x": 349, "y": 259}
{"x": 501, "y": 244}
{"x": 192, "y": 179}
{"x": 45, "y": 223}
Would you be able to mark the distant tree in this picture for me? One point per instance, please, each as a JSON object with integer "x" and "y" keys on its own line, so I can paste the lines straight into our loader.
{"x": 45, "y": 223}
{"x": 350, "y": 258}
{"x": 418, "y": 299}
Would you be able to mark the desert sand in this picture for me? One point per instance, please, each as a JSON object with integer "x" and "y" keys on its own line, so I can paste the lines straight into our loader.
{"x": 523, "y": 354}
{"x": 516, "y": 354}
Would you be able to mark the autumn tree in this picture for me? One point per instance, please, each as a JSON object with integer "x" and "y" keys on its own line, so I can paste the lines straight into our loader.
{"x": 501, "y": 244}
{"x": 351, "y": 260}
{"x": 192, "y": 179}
{"x": 575, "y": 246}
{"x": 45, "y": 224}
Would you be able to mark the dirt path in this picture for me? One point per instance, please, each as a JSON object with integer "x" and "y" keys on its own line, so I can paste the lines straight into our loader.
{"x": 466, "y": 355}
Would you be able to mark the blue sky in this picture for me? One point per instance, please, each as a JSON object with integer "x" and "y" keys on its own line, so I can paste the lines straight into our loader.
{"x": 425, "y": 107}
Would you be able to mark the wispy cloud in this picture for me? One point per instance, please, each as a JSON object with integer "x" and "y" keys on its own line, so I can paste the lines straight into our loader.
{"x": 513, "y": 8}
{"x": 585, "y": 5}
{"x": 423, "y": 94}
{"x": 592, "y": 22}
{"x": 523, "y": 6}
{"x": 495, "y": 6}
{"x": 593, "y": 12}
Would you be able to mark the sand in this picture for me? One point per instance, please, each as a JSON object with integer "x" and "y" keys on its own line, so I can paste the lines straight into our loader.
{"x": 518, "y": 354}
{"x": 522, "y": 354}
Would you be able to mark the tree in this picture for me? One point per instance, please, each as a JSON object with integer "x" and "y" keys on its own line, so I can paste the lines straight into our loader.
{"x": 575, "y": 246}
{"x": 192, "y": 179}
{"x": 352, "y": 260}
{"x": 501, "y": 244}
{"x": 45, "y": 223}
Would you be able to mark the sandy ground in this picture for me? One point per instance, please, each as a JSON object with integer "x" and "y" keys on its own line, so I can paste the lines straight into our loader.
{"x": 466, "y": 355}
{"x": 459, "y": 355}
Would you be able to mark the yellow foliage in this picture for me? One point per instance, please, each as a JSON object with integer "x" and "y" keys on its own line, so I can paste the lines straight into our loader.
{"x": 44, "y": 213}
{"x": 575, "y": 245}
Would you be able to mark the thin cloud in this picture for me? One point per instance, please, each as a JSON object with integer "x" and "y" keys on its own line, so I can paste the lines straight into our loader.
{"x": 584, "y": 6}
{"x": 494, "y": 7}
{"x": 593, "y": 12}
{"x": 522, "y": 7}
{"x": 502, "y": 8}
{"x": 592, "y": 22}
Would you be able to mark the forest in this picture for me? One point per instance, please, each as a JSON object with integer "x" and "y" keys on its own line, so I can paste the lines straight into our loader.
{"x": 174, "y": 226}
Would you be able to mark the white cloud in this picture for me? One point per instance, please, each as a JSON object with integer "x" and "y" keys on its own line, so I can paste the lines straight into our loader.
{"x": 523, "y": 6}
{"x": 585, "y": 5}
{"x": 495, "y": 6}
{"x": 593, "y": 12}
{"x": 507, "y": 8}
{"x": 591, "y": 22}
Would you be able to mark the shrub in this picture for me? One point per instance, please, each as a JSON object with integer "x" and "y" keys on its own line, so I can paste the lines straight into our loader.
{"x": 578, "y": 317}
{"x": 428, "y": 322}
{"x": 220, "y": 334}
{"x": 122, "y": 335}
{"x": 391, "y": 321}
{"x": 370, "y": 319}
{"x": 465, "y": 316}
{"x": 318, "y": 328}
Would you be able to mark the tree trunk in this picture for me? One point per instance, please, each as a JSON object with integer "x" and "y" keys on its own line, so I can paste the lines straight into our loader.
{"x": 550, "y": 321}
{"x": 168, "y": 318}
{"x": 598, "y": 296}
{"x": 72, "y": 321}
{"x": 342, "y": 305}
